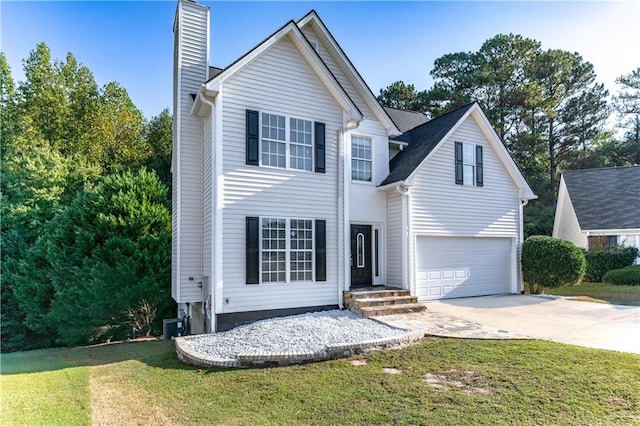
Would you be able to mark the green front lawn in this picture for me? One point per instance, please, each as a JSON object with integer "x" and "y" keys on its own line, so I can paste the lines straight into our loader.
{"x": 599, "y": 292}
{"x": 438, "y": 381}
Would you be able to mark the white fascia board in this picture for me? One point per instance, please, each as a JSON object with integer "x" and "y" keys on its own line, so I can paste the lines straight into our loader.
{"x": 307, "y": 52}
{"x": 361, "y": 85}
{"x": 611, "y": 231}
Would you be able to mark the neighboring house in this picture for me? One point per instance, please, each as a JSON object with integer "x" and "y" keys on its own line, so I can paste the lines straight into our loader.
{"x": 292, "y": 184}
{"x": 599, "y": 207}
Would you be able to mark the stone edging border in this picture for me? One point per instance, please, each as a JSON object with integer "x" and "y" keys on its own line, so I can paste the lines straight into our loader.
{"x": 266, "y": 359}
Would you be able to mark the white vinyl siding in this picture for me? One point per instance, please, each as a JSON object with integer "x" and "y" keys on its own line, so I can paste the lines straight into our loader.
{"x": 187, "y": 230}
{"x": 207, "y": 201}
{"x": 278, "y": 81}
{"x": 440, "y": 207}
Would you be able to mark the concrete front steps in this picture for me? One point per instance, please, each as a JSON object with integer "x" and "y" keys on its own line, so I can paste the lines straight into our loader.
{"x": 373, "y": 302}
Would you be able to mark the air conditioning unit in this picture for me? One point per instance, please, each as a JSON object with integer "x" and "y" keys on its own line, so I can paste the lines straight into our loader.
{"x": 171, "y": 328}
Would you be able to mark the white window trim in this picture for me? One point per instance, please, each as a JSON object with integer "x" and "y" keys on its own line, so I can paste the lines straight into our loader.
{"x": 287, "y": 142}
{"x": 288, "y": 251}
{"x": 465, "y": 164}
{"x": 372, "y": 160}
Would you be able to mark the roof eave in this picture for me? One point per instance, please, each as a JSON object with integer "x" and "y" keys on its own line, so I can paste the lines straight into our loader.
{"x": 367, "y": 94}
{"x": 310, "y": 55}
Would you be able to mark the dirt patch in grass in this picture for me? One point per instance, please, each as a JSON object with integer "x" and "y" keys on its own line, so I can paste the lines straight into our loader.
{"x": 117, "y": 401}
{"x": 465, "y": 381}
{"x": 391, "y": 371}
{"x": 358, "y": 362}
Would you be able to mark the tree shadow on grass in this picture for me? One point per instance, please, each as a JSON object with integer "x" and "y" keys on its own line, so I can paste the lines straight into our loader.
{"x": 155, "y": 353}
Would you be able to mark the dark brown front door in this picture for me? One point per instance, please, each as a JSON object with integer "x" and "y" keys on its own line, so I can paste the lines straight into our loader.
{"x": 360, "y": 255}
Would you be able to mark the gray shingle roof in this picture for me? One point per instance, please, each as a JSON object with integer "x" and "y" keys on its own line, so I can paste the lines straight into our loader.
{"x": 605, "y": 198}
{"x": 405, "y": 119}
{"x": 422, "y": 140}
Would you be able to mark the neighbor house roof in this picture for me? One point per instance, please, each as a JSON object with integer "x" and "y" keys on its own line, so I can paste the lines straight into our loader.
{"x": 422, "y": 140}
{"x": 406, "y": 120}
{"x": 606, "y": 198}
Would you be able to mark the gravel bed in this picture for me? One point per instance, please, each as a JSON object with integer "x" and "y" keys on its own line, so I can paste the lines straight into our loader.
{"x": 306, "y": 332}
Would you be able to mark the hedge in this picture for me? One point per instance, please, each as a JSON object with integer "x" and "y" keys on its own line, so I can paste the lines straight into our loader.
{"x": 624, "y": 276}
{"x": 601, "y": 261}
{"x": 551, "y": 262}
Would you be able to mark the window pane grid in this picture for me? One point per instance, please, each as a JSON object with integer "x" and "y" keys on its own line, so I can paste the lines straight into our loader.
{"x": 287, "y": 250}
{"x": 361, "y": 159}
{"x": 274, "y": 250}
{"x": 274, "y": 145}
{"x": 469, "y": 160}
{"x": 301, "y": 237}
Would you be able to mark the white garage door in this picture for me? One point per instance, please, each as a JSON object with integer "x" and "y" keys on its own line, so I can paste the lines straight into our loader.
{"x": 461, "y": 267}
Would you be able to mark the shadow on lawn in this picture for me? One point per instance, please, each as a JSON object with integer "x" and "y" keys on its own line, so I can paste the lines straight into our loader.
{"x": 155, "y": 353}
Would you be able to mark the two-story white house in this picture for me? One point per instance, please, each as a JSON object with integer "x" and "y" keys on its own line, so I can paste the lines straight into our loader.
{"x": 292, "y": 184}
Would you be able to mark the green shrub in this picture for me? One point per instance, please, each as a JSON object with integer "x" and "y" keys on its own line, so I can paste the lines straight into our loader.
{"x": 551, "y": 262}
{"x": 623, "y": 276}
{"x": 601, "y": 261}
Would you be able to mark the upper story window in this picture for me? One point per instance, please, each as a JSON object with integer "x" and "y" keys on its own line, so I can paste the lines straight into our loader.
{"x": 361, "y": 159}
{"x": 276, "y": 140}
{"x": 469, "y": 169}
{"x": 277, "y": 150}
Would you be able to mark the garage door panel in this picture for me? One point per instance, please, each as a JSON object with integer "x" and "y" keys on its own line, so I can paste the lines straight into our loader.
{"x": 461, "y": 267}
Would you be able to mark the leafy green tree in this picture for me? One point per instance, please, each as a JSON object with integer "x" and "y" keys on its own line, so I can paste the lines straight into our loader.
{"x": 159, "y": 137}
{"x": 399, "y": 95}
{"x": 117, "y": 131}
{"x": 60, "y": 136}
{"x": 627, "y": 107}
{"x": 104, "y": 255}
{"x": 8, "y": 102}
{"x": 37, "y": 184}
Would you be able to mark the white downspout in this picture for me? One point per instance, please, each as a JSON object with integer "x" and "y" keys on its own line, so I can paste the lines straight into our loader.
{"x": 403, "y": 190}
{"x": 342, "y": 200}
{"x": 215, "y": 213}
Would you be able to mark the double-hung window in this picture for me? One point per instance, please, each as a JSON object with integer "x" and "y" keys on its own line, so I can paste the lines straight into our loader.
{"x": 300, "y": 144}
{"x": 469, "y": 169}
{"x": 276, "y": 140}
{"x": 296, "y": 151}
{"x": 469, "y": 161}
{"x": 361, "y": 159}
{"x": 287, "y": 250}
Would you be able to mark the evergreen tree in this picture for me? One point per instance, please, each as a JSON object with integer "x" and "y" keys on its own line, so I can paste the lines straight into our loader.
{"x": 101, "y": 259}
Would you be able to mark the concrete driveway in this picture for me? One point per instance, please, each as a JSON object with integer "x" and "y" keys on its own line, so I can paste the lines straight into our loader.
{"x": 594, "y": 325}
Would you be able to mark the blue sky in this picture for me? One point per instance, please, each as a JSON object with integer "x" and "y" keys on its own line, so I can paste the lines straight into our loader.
{"x": 131, "y": 42}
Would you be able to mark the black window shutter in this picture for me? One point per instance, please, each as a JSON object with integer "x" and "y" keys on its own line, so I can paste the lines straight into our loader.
{"x": 321, "y": 250}
{"x": 459, "y": 164}
{"x": 253, "y": 123}
{"x": 319, "y": 145}
{"x": 253, "y": 250}
{"x": 479, "y": 168}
